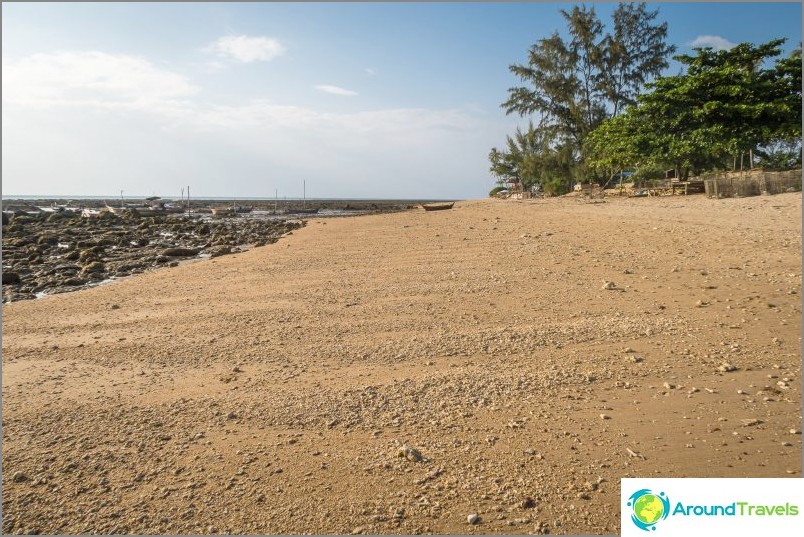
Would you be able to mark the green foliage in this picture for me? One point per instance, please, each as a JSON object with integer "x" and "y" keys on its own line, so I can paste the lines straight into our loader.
{"x": 572, "y": 85}
{"x": 496, "y": 190}
{"x": 724, "y": 104}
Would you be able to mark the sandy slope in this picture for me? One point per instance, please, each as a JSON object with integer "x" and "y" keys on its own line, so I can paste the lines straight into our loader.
{"x": 267, "y": 392}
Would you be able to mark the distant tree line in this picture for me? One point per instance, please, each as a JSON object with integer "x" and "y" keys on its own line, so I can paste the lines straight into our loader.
{"x": 597, "y": 105}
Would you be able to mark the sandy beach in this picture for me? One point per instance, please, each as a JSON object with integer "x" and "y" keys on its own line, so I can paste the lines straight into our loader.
{"x": 397, "y": 373}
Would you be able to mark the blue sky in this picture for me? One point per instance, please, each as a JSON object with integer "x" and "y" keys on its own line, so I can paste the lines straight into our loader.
{"x": 371, "y": 100}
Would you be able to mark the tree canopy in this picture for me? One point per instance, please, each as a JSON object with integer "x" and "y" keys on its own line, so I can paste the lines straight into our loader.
{"x": 571, "y": 85}
{"x": 724, "y": 103}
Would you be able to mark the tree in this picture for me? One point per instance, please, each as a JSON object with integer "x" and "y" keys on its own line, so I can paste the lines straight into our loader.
{"x": 530, "y": 160}
{"x": 725, "y": 104}
{"x": 573, "y": 85}
{"x": 633, "y": 55}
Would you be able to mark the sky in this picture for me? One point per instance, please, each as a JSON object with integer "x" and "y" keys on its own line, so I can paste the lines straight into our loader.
{"x": 358, "y": 100}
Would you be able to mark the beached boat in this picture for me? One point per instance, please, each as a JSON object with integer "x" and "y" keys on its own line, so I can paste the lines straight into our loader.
{"x": 436, "y": 206}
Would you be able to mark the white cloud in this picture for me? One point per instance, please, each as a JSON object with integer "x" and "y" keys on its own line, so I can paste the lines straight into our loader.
{"x": 90, "y": 78}
{"x": 335, "y": 90}
{"x": 370, "y": 72}
{"x": 49, "y": 97}
{"x": 246, "y": 49}
{"x": 714, "y": 41}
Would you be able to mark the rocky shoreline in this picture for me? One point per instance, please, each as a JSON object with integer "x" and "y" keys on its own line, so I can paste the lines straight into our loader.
{"x": 60, "y": 252}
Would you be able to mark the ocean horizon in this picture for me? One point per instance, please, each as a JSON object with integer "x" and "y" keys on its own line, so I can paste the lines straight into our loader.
{"x": 29, "y": 197}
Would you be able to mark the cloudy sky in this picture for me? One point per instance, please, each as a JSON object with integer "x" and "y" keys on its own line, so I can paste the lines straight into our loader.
{"x": 366, "y": 100}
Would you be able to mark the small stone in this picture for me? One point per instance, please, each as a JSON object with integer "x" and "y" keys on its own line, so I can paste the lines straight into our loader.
{"x": 19, "y": 477}
{"x": 410, "y": 453}
{"x": 474, "y": 518}
{"x": 668, "y": 386}
{"x": 528, "y": 503}
{"x": 605, "y": 417}
{"x": 212, "y": 529}
{"x": 795, "y": 431}
{"x": 609, "y": 286}
{"x": 114, "y": 307}
{"x": 726, "y": 367}
{"x": 750, "y": 422}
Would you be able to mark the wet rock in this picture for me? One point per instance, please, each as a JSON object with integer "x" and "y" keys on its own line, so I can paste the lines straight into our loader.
{"x": 180, "y": 252}
{"x": 10, "y": 278}
{"x": 94, "y": 267}
{"x": 217, "y": 251}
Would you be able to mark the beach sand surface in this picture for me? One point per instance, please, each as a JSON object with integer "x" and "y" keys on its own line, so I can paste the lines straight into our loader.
{"x": 398, "y": 373}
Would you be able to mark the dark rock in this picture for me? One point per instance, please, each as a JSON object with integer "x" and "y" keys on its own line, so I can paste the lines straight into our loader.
{"x": 95, "y": 266}
{"x": 217, "y": 251}
{"x": 47, "y": 238}
{"x": 10, "y": 278}
{"x": 180, "y": 252}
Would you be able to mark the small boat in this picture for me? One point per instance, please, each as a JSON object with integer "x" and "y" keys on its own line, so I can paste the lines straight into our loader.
{"x": 436, "y": 206}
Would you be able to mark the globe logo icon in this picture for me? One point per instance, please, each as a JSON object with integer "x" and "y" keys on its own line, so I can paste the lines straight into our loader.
{"x": 648, "y": 508}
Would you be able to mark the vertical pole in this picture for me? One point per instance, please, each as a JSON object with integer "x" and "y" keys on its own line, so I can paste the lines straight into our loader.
{"x": 304, "y": 193}
{"x": 276, "y": 199}
{"x": 188, "y": 200}
{"x": 121, "y": 199}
